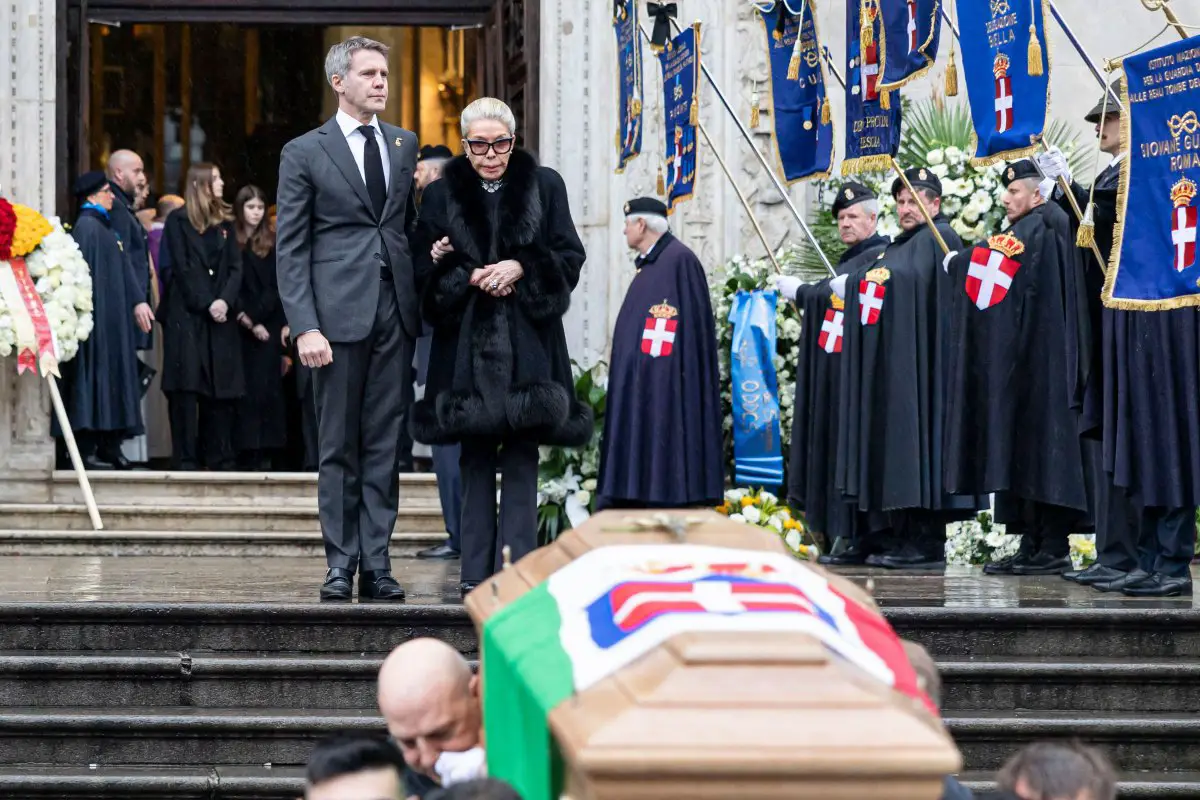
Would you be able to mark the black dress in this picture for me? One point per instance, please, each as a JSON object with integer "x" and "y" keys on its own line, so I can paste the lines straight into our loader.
{"x": 262, "y": 413}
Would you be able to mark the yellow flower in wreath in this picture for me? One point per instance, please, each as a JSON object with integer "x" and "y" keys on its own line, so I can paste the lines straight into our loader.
{"x": 748, "y": 501}
{"x": 32, "y": 227}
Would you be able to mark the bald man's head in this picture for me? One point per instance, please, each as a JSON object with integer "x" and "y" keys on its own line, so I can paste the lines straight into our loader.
{"x": 125, "y": 169}
{"x": 430, "y": 701}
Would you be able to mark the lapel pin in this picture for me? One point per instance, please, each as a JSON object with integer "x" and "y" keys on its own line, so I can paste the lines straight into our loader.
{"x": 398, "y": 141}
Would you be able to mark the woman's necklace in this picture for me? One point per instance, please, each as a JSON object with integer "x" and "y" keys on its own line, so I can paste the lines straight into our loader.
{"x": 491, "y": 187}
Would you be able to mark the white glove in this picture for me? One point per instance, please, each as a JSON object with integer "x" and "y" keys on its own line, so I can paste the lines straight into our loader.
{"x": 1046, "y": 188}
{"x": 838, "y": 285}
{"x": 788, "y": 286}
{"x": 946, "y": 261}
{"x": 1053, "y": 165}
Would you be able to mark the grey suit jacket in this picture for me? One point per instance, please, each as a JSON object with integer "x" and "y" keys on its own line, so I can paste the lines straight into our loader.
{"x": 330, "y": 245}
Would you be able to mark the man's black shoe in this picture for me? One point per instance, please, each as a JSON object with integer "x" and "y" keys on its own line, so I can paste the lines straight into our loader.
{"x": 1129, "y": 579}
{"x": 1160, "y": 585}
{"x": 466, "y": 587}
{"x": 439, "y": 552}
{"x": 338, "y": 586}
{"x": 1096, "y": 573}
{"x": 1042, "y": 564}
{"x": 911, "y": 557}
{"x": 379, "y": 585}
{"x": 113, "y": 456}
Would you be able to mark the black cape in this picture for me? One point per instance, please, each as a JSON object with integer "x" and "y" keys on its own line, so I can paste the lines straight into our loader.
{"x": 1018, "y": 369}
{"x": 104, "y": 393}
{"x": 663, "y": 439}
{"x": 890, "y": 438}
{"x": 812, "y": 455}
{"x": 137, "y": 251}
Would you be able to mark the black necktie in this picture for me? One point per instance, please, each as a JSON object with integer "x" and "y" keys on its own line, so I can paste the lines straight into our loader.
{"x": 373, "y": 167}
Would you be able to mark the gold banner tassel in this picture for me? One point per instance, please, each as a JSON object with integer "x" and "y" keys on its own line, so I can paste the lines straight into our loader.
{"x": 826, "y": 116}
{"x": 1086, "y": 237}
{"x": 662, "y": 182}
{"x": 794, "y": 63}
{"x": 755, "y": 111}
{"x": 694, "y": 113}
{"x": 1036, "y": 67}
{"x": 951, "y": 76}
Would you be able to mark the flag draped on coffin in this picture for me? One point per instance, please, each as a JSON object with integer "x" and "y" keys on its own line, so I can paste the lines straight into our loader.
{"x": 803, "y": 136}
{"x": 629, "y": 81}
{"x": 612, "y": 605}
{"x": 872, "y": 131}
{"x": 1154, "y": 263}
{"x": 680, "y": 61}
{"x": 910, "y": 31}
{"x": 1007, "y": 85}
{"x": 757, "y": 436}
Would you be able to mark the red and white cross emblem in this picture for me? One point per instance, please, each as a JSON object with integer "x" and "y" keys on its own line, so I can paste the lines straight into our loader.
{"x": 870, "y": 301}
{"x": 1183, "y": 236}
{"x": 1004, "y": 104}
{"x": 870, "y": 73}
{"x": 658, "y": 339}
{"x": 989, "y": 277}
{"x": 830, "y": 339}
{"x": 912, "y": 25}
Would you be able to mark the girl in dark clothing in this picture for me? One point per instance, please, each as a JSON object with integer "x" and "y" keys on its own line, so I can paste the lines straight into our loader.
{"x": 202, "y": 359}
{"x": 261, "y": 428}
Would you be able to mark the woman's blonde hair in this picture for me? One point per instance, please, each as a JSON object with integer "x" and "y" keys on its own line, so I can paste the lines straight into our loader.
{"x": 204, "y": 209}
{"x": 488, "y": 108}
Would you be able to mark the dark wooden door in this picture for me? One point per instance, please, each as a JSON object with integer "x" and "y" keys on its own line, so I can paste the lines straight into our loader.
{"x": 509, "y": 62}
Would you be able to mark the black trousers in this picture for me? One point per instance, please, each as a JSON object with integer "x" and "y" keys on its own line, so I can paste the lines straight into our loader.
{"x": 445, "y": 467}
{"x": 483, "y": 538}
{"x": 362, "y": 399}
{"x": 201, "y": 431}
{"x": 1167, "y": 540}
{"x": 1044, "y": 527}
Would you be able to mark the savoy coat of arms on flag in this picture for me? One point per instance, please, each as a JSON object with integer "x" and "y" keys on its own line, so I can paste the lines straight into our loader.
{"x": 1183, "y": 224}
{"x": 658, "y": 339}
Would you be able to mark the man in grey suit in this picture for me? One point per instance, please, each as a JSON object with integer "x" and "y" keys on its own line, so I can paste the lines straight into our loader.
{"x": 347, "y": 286}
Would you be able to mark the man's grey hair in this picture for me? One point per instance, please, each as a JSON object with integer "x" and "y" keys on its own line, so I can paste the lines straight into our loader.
{"x": 870, "y": 206}
{"x": 1032, "y": 184}
{"x": 654, "y": 222}
{"x": 337, "y": 60}
{"x": 1054, "y": 770}
{"x": 488, "y": 108}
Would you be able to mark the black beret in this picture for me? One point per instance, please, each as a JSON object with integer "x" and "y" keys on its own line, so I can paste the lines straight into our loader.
{"x": 920, "y": 178}
{"x": 1114, "y": 103}
{"x": 89, "y": 183}
{"x": 646, "y": 205}
{"x": 1016, "y": 170}
{"x": 434, "y": 151}
{"x": 851, "y": 194}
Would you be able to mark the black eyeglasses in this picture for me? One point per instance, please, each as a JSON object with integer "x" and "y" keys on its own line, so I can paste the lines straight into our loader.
{"x": 479, "y": 147}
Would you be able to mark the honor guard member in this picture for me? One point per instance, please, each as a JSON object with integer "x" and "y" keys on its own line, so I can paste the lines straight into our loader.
{"x": 893, "y": 378}
{"x": 813, "y": 451}
{"x": 1019, "y": 350}
{"x": 663, "y": 439}
{"x": 1146, "y": 528}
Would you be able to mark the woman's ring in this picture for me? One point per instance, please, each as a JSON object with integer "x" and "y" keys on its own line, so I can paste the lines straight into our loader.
{"x": 495, "y": 285}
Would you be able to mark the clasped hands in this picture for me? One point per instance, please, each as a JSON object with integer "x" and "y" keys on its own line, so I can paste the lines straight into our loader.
{"x": 496, "y": 279}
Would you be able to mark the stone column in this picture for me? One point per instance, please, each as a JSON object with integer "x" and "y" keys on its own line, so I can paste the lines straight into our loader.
{"x": 27, "y": 175}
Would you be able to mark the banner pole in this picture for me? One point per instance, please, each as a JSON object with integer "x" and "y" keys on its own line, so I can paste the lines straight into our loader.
{"x": 783, "y": 193}
{"x": 1172, "y": 20}
{"x": 64, "y": 425}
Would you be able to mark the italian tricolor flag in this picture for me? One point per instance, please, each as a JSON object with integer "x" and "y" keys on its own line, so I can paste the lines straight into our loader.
{"x": 612, "y": 605}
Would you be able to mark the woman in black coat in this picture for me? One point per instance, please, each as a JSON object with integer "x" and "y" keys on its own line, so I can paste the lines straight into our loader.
{"x": 495, "y": 287}
{"x": 202, "y": 349}
{"x": 261, "y": 428}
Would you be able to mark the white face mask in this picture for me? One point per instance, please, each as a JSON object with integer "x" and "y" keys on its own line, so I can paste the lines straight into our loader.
{"x": 455, "y": 768}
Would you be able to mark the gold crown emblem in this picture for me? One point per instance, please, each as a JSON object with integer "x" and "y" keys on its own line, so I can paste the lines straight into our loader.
{"x": 1006, "y": 243}
{"x": 663, "y": 311}
{"x": 838, "y": 303}
{"x": 879, "y": 275}
{"x": 1000, "y": 66}
{"x": 923, "y": 175}
{"x": 1012, "y": 173}
{"x": 849, "y": 194}
{"x": 627, "y": 207}
{"x": 1183, "y": 192}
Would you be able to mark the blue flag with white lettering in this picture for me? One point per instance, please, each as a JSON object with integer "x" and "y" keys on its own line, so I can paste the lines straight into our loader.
{"x": 1008, "y": 86}
{"x": 680, "y": 61}
{"x": 1154, "y": 264}
{"x": 872, "y": 131}
{"x": 910, "y": 32}
{"x": 803, "y": 139}
{"x": 757, "y": 437}
{"x": 629, "y": 81}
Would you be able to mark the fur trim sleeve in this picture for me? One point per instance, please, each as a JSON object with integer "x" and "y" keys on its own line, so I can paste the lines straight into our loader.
{"x": 446, "y": 292}
{"x": 554, "y": 260}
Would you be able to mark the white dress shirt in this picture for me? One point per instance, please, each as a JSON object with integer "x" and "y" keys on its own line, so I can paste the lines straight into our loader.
{"x": 358, "y": 144}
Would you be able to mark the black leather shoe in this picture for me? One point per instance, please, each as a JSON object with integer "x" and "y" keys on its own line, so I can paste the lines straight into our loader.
{"x": 1042, "y": 564}
{"x": 909, "y": 557}
{"x": 114, "y": 457}
{"x": 93, "y": 464}
{"x": 1096, "y": 573}
{"x": 440, "y": 552}
{"x": 1160, "y": 585}
{"x": 1119, "y": 584}
{"x": 338, "y": 586}
{"x": 379, "y": 585}
{"x": 850, "y": 557}
{"x": 466, "y": 587}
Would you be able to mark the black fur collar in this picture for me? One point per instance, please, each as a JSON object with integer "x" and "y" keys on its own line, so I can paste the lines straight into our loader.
{"x": 520, "y": 212}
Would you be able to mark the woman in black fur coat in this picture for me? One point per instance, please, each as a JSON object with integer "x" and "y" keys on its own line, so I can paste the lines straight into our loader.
{"x": 495, "y": 285}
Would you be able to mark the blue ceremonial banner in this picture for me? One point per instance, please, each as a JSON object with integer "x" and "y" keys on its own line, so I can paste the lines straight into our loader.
{"x": 910, "y": 33}
{"x": 629, "y": 81}
{"x": 1153, "y": 266}
{"x": 680, "y": 61}
{"x": 1007, "y": 84}
{"x": 803, "y": 137}
{"x": 872, "y": 131}
{"x": 757, "y": 444}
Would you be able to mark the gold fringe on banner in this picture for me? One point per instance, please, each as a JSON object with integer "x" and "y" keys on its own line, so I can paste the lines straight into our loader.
{"x": 1036, "y": 67}
{"x": 853, "y": 166}
{"x": 826, "y": 115}
{"x": 755, "y": 111}
{"x": 694, "y": 113}
{"x": 866, "y": 34}
{"x": 1086, "y": 237}
{"x": 951, "y": 76}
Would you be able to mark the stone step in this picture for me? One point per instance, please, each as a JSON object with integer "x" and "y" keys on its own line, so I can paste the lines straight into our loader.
{"x": 152, "y": 783}
{"x": 178, "y": 737}
{"x": 1134, "y": 742}
{"x": 331, "y": 628}
{"x": 1075, "y": 684}
{"x": 262, "y": 518}
{"x": 154, "y": 488}
{"x": 1131, "y": 786}
{"x": 188, "y": 543}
